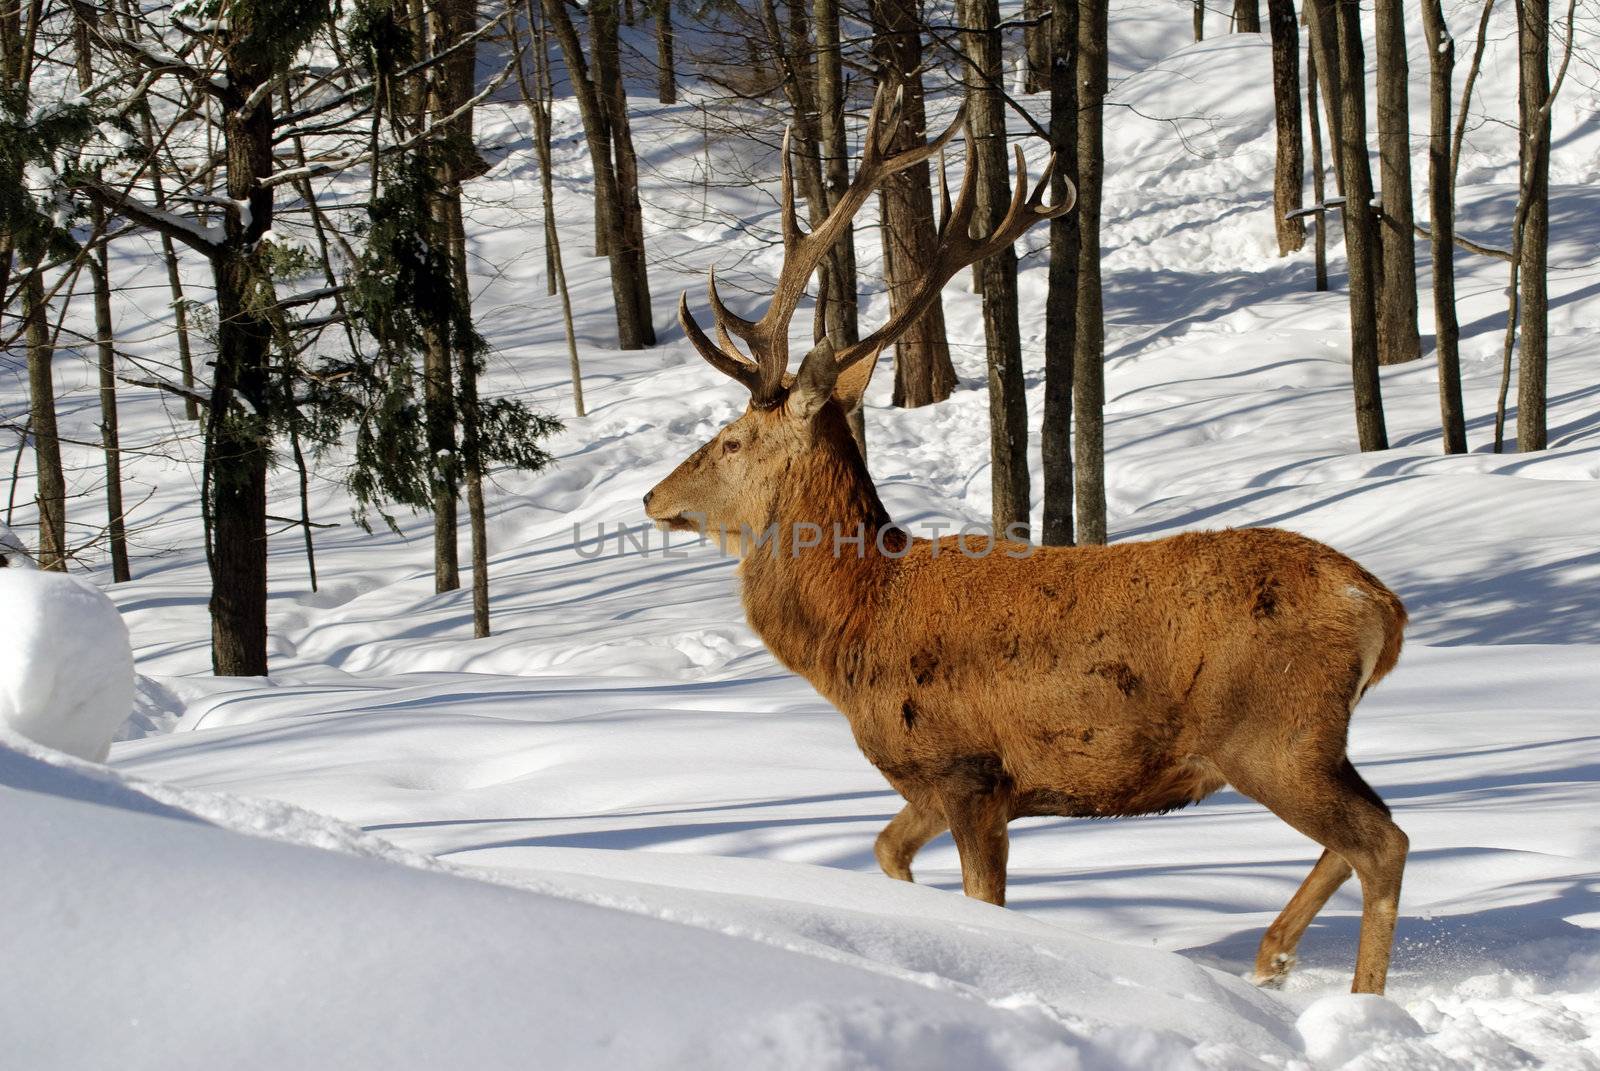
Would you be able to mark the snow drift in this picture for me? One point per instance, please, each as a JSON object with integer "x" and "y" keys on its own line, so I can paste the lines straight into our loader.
{"x": 66, "y": 665}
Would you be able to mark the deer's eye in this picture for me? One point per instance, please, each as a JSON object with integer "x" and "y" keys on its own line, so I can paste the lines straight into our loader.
{"x": 731, "y": 446}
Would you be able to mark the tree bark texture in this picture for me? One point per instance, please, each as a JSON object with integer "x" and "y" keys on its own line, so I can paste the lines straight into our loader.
{"x": 1533, "y": 39}
{"x": 1397, "y": 304}
{"x": 1442, "y": 209}
{"x": 923, "y": 372}
{"x": 997, "y": 276}
{"x": 1289, "y": 181}
{"x": 1061, "y": 296}
{"x": 1360, "y": 225}
{"x": 1088, "y": 381}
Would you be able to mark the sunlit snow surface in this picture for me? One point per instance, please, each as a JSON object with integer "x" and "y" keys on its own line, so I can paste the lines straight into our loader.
{"x": 678, "y": 833}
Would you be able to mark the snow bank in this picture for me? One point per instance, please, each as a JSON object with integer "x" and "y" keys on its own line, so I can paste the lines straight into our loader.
{"x": 161, "y": 936}
{"x": 13, "y": 552}
{"x": 66, "y": 666}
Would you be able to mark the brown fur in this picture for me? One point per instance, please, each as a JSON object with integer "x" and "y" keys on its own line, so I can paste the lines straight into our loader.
{"x": 1085, "y": 681}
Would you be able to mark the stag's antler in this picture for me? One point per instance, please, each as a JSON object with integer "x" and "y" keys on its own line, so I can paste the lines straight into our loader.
{"x": 768, "y": 337}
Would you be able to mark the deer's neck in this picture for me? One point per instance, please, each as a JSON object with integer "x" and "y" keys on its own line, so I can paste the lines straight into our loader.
{"x": 815, "y": 605}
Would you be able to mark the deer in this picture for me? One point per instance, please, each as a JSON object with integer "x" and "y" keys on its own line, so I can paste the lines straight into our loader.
{"x": 1124, "y": 679}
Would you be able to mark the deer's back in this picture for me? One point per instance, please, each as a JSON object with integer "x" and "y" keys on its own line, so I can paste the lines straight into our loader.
{"x": 1096, "y": 680}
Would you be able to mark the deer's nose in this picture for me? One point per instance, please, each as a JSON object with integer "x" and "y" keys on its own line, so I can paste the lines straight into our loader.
{"x": 648, "y": 495}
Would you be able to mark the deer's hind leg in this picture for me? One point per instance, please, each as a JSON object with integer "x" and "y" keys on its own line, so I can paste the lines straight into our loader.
{"x": 1337, "y": 809}
{"x": 904, "y": 836}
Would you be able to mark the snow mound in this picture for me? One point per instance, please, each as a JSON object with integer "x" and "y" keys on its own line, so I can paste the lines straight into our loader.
{"x": 66, "y": 665}
{"x": 143, "y": 924}
{"x": 13, "y": 552}
{"x": 1339, "y": 1028}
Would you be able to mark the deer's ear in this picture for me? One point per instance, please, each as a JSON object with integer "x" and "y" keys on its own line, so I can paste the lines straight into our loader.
{"x": 852, "y": 382}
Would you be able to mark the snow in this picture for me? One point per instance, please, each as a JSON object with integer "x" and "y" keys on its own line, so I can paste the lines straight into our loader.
{"x": 565, "y": 972}
{"x": 1337, "y": 1029}
{"x": 13, "y": 551}
{"x": 616, "y": 832}
{"x": 66, "y": 668}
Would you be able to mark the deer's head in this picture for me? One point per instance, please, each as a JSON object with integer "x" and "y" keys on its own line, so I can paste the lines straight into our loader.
{"x": 732, "y": 482}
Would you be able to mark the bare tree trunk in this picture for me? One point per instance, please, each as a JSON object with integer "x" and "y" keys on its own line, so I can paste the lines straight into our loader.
{"x": 1441, "y": 206}
{"x": 477, "y": 521}
{"x": 1088, "y": 381}
{"x": 597, "y": 135}
{"x": 116, "y": 528}
{"x": 1397, "y": 308}
{"x": 439, "y": 405}
{"x": 471, "y": 431}
{"x": 1324, "y": 48}
{"x": 237, "y": 446}
{"x": 1008, "y": 403}
{"x": 105, "y": 346}
{"x": 1318, "y": 190}
{"x": 52, "y": 483}
{"x": 843, "y": 324}
{"x": 237, "y": 468}
{"x": 438, "y": 364}
{"x": 838, "y": 278}
{"x": 538, "y": 95}
{"x": 1289, "y": 182}
{"x": 16, "y": 469}
{"x": 790, "y": 49}
{"x": 1061, "y": 297}
{"x": 1466, "y": 91}
{"x": 1246, "y": 16}
{"x": 923, "y": 372}
{"x": 666, "y": 75}
{"x": 459, "y": 20}
{"x": 1036, "y": 46}
{"x": 169, "y": 256}
{"x": 1533, "y": 105}
{"x": 1199, "y": 20}
{"x": 628, "y": 214}
{"x": 1360, "y": 228}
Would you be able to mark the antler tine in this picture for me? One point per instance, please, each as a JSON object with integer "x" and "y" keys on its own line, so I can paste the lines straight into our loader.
{"x": 958, "y": 220}
{"x": 1008, "y": 230}
{"x": 1025, "y": 210}
{"x": 769, "y": 346}
{"x": 791, "y": 223}
{"x": 728, "y": 364}
{"x": 918, "y": 153}
{"x": 881, "y": 124}
{"x": 768, "y": 337}
{"x": 957, "y": 248}
{"x": 724, "y": 316}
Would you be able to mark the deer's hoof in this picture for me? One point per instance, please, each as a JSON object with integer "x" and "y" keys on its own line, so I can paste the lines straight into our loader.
{"x": 1275, "y": 974}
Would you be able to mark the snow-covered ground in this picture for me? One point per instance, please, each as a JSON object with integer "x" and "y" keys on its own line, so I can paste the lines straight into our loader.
{"x": 673, "y": 836}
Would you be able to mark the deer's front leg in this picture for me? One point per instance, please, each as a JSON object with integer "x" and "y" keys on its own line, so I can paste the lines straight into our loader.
{"x": 978, "y": 809}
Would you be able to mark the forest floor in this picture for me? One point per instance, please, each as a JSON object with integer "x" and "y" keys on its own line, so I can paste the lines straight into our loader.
{"x": 675, "y": 835}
